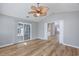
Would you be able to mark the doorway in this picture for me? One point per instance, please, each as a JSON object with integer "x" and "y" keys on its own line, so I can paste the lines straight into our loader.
{"x": 54, "y": 30}
{"x": 27, "y": 31}
{"x": 24, "y": 31}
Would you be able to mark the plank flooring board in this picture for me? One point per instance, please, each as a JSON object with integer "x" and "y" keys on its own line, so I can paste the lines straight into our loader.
{"x": 37, "y": 47}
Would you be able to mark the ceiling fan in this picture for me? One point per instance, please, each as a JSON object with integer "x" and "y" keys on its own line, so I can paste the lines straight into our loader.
{"x": 38, "y": 10}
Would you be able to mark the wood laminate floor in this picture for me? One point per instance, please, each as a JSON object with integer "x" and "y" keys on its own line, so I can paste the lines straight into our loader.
{"x": 39, "y": 48}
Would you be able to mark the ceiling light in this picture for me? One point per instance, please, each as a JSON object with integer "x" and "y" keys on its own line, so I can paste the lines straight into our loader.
{"x": 38, "y": 10}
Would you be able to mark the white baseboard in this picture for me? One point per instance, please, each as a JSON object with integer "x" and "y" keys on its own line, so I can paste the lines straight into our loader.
{"x": 70, "y": 45}
{"x": 6, "y": 45}
{"x": 10, "y": 44}
{"x": 42, "y": 38}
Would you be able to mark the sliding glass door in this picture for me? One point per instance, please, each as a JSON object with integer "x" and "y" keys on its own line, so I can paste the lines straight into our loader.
{"x": 24, "y": 31}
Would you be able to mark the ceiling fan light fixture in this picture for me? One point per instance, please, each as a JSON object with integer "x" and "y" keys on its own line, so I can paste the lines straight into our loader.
{"x": 37, "y": 14}
{"x": 38, "y": 10}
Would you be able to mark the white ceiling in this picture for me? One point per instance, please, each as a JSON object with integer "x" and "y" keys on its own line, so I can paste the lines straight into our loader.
{"x": 21, "y": 10}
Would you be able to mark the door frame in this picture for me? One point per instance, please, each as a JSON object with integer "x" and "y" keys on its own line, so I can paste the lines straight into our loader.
{"x": 30, "y": 29}
{"x": 61, "y": 35}
{"x": 46, "y": 29}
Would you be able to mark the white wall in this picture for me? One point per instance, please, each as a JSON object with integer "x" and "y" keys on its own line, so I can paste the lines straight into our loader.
{"x": 8, "y": 29}
{"x": 71, "y": 26}
{"x": 71, "y": 29}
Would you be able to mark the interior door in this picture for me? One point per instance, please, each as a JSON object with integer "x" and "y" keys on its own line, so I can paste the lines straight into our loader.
{"x": 26, "y": 31}
{"x": 20, "y": 33}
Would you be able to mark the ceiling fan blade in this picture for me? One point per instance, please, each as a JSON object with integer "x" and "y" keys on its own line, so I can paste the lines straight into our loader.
{"x": 43, "y": 14}
{"x": 32, "y": 12}
{"x": 35, "y": 15}
{"x": 33, "y": 7}
{"x": 44, "y": 9}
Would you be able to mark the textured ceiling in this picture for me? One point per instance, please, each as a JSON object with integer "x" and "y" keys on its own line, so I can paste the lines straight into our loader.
{"x": 21, "y": 10}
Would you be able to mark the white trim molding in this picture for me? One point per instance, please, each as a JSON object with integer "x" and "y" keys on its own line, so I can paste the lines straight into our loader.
{"x": 12, "y": 44}
{"x": 70, "y": 45}
{"x": 7, "y": 45}
{"x": 30, "y": 28}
